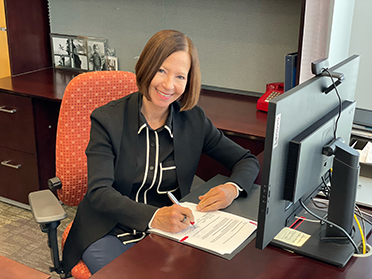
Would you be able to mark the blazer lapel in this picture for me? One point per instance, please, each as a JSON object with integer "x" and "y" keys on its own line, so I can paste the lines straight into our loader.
{"x": 186, "y": 156}
{"x": 125, "y": 169}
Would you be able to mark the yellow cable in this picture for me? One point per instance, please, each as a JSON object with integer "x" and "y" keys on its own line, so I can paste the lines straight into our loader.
{"x": 361, "y": 233}
{"x": 360, "y": 228}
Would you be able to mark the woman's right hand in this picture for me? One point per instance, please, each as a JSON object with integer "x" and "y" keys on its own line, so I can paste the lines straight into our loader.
{"x": 172, "y": 218}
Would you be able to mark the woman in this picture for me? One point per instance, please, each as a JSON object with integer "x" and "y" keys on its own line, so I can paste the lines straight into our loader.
{"x": 144, "y": 145}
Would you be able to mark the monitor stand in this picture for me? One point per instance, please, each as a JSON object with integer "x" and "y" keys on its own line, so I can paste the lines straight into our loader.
{"x": 329, "y": 250}
{"x": 327, "y": 243}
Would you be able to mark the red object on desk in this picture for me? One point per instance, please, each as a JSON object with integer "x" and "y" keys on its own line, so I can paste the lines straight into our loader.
{"x": 183, "y": 239}
{"x": 272, "y": 90}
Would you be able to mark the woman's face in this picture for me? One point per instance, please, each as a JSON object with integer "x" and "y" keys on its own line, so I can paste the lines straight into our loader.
{"x": 170, "y": 81}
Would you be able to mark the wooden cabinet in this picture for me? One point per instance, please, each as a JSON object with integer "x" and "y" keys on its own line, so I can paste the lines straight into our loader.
{"x": 28, "y": 124}
{"x": 16, "y": 122}
{"x": 18, "y": 174}
{"x": 24, "y": 36}
{"x": 18, "y": 160}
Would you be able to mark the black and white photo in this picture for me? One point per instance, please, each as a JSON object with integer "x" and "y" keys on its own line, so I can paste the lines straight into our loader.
{"x": 79, "y": 54}
{"x": 96, "y": 55}
{"x": 112, "y": 63}
{"x": 61, "y": 52}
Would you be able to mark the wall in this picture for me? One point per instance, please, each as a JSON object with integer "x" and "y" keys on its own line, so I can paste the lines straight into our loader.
{"x": 316, "y": 34}
{"x": 360, "y": 43}
{"x": 349, "y": 33}
{"x": 340, "y": 31}
{"x": 241, "y": 43}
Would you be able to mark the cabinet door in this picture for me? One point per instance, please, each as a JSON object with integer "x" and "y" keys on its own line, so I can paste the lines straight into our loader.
{"x": 17, "y": 123}
{"x": 28, "y": 35}
{"x": 18, "y": 174}
{"x": 4, "y": 53}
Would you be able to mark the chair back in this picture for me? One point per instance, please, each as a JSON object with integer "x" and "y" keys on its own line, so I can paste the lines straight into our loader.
{"x": 83, "y": 94}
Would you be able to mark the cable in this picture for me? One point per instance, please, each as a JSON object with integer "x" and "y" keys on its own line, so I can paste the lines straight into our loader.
{"x": 361, "y": 217}
{"x": 361, "y": 234}
{"x": 308, "y": 220}
{"x": 366, "y": 213}
{"x": 325, "y": 189}
{"x": 332, "y": 224}
{"x": 364, "y": 218}
{"x": 316, "y": 204}
{"x": 339, "y": 100}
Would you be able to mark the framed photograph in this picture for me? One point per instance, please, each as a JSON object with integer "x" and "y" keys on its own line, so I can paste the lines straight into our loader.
{"x": 96, "y": 54}
{"x": 112, "y": 63}
{"x": 79, "y": 53}
{"x": 61, "y": 51}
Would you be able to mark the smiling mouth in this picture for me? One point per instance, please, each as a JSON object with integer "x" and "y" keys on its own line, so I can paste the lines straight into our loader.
{"x": 164, "y": 95}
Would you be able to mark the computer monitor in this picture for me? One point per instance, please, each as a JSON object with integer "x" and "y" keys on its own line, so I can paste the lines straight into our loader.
{"x": 302, "y": 146}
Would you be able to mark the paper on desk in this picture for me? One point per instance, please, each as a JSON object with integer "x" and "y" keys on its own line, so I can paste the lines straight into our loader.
{"x": 366, "y": 154}
{"x": 368, "y": 148}
{"x": 216, "y": 231}
{"x": 291, "y": 236}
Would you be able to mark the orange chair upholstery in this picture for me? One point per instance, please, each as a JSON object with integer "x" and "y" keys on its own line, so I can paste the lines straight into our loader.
{"x": 83, "y": 94}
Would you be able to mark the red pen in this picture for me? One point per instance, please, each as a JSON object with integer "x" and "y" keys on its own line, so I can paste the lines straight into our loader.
{"x": 183, "y": 239}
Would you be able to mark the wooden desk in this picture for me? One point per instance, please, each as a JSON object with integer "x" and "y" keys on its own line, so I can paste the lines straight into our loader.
{"x": 235, "y": 114}
{"x": 157, "y": 257}
{"x": 12, "y": 270}
{"x": 30, "y": 133}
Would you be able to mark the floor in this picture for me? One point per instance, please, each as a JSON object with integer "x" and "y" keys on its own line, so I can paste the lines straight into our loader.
{"x": 22, "y": 240}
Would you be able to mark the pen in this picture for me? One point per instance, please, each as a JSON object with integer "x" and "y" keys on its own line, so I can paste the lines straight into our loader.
{"x": 174, "y": 200}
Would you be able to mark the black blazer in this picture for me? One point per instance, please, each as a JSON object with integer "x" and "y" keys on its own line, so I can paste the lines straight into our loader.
{"x": 111, "y": 154}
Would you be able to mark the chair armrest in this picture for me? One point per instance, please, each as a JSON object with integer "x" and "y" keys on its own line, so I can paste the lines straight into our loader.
{"x": 46, "y": 207}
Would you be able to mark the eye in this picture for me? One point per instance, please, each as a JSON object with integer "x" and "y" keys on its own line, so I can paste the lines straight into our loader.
{"x": 181, "y": 77}
{"x": 161, "y": 71}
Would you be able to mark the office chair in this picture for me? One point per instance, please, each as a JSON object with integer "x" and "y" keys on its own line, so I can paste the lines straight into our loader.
{"x": 82, "y": 95}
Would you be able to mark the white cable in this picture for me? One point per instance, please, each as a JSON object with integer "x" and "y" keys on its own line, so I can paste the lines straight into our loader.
{"x": 332, "y": 224}
{"x": 369, "y": 252}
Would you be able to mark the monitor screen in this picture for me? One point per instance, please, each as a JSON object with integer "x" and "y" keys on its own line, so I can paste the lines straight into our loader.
{"x": 301, "y": 124}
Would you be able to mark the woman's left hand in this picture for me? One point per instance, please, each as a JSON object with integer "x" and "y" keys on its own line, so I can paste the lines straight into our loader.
{"x": 217, "y": 198}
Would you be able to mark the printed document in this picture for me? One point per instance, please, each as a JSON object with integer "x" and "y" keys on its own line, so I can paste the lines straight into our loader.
{"x": 215, "y": 231}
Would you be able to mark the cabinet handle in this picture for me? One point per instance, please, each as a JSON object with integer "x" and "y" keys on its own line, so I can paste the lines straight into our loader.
{"x": 3, "y": 109}
{"x": 6, "y": 163}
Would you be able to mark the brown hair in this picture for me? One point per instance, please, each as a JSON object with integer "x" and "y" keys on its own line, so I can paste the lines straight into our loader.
{"x": 157, "y": 49}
